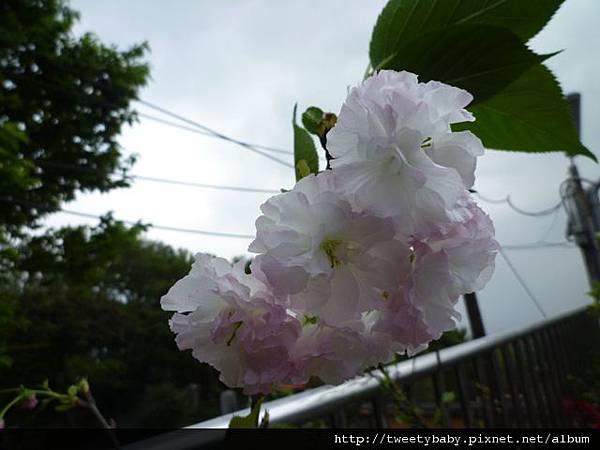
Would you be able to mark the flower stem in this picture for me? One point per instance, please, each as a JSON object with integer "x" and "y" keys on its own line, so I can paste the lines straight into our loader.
{"x": 12, "y": 403}
{"x": 90, "y": 404}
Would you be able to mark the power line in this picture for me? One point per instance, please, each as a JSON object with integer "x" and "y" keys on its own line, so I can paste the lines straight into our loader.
{"x": 537, "y": 245}
{"x": 164, "y": 227}
{"x": 207, "y": 186}
{"x": 166, "y": 180}
{"x": 548, "y": 230}
{"x": 215, "y": 133}
{"x": 509, "y": 202}
{"x": 527, "y": 246}
{"x": 206, "y": 133}
{"x": 129, "y": 222}
{"x": 489, "y": 200}
{"x": 174, "y": 124}
{"x": 522, "y": 282}
{"x": 541, "y": 213}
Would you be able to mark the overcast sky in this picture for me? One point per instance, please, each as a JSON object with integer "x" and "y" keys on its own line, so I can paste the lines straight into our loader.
{"x": 239, "y": 66}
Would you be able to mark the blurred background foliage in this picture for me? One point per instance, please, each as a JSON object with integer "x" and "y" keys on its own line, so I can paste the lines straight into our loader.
{"x": 82, "y": 301}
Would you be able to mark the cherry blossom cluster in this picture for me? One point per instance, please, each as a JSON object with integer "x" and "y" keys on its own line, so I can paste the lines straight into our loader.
{"x": 357, "y": 263}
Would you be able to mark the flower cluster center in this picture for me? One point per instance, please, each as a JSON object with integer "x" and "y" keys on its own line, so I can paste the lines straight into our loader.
{"x": 330, "y": 246}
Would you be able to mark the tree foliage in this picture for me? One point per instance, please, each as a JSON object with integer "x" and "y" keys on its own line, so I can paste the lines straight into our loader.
{"x": 63, "y": 102}
{"x": 81, "y": 301}
{"x": 88, "y": 305}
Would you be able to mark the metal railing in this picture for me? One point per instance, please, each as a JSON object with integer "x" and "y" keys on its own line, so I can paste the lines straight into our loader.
{"x": 516, "y": 378}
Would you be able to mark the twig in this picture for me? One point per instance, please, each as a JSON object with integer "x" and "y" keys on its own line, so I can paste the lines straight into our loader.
{"x": 90, "y": 403}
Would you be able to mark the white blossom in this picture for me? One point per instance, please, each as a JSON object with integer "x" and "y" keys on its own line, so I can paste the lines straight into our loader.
{"x": 393, "y": 147}
{"x": 316, "y": 249}
{"x": 232, "y": 322}
{"x": 356, "y": 263}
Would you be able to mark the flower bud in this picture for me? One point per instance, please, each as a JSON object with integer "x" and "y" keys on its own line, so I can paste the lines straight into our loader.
{"x": 72, "y": 391}
{"x": 84, "y": 386}
{"x": 29, "y": 403}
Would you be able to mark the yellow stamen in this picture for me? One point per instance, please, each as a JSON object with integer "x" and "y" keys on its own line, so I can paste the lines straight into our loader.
{"x": 329, "y": 246}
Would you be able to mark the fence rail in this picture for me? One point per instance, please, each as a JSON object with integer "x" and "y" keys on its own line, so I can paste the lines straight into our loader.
{"x": 516, "y": 378}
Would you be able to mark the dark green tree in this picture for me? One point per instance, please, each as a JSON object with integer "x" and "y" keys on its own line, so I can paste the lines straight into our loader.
{"x": 89, "y": 306}
{"x": 63, "y": 102}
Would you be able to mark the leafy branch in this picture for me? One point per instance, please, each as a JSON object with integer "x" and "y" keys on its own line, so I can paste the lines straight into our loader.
{"x": 78, "y": 395}
{"x": 406, "y": 410}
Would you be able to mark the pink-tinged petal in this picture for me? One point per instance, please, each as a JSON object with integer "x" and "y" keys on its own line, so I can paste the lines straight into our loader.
{"x": 388, "y": 143}
{"x": 458, "y": 151}
{"x": 238, "y": 326}
{"x": 282, "y": 279}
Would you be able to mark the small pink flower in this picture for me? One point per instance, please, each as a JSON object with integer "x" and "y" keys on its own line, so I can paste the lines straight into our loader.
{"x": 29, "y": 403}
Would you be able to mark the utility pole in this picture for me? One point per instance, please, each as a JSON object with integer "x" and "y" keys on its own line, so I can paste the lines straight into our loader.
{"x": 474, "y": 315}
{"x": 582, "y": 227}
{"x": 581, "y": 213}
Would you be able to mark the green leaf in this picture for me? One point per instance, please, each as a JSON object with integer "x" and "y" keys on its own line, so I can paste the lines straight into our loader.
{"x": 249, "y": 421}
{"x": 448, "y": 397}
{"x": 478, "y": 46}
{"x": 479, "y": 58}
{"x": 311, "y": 119}
{"x": 11, "y": 136}
{"x": 65, "y": 407}
{"x": 404, "y": 20}
{"x": 530, "y": 115}
{"x": 302, "y": 168}
{"x": 304, "y": 149}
